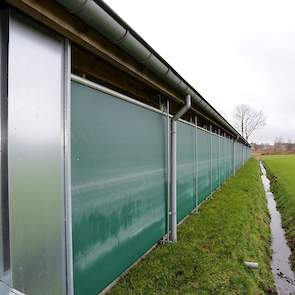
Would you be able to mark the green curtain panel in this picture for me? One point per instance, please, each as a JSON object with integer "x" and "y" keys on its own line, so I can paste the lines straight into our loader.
{"x": 118, "y": 185}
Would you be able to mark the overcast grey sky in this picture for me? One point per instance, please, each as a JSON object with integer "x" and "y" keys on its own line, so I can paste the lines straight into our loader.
{"x": 231, "y": 51}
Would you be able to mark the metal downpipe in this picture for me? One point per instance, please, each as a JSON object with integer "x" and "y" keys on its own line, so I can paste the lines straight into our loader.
{"x": 173, "y": 200}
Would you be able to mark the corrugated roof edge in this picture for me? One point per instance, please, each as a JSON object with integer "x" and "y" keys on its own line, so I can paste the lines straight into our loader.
{"x": 103, "y": 19}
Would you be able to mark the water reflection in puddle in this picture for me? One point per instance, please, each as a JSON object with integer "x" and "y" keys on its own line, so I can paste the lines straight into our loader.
{"x": 283, "y": 275}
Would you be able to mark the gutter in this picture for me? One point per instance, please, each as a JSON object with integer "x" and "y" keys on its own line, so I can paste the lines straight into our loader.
{"x": 105, "y": 21}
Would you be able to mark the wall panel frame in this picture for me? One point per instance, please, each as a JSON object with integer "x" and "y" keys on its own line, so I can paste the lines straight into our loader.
{"x": 5, "y": 274}
{"x": 36, "y": 154}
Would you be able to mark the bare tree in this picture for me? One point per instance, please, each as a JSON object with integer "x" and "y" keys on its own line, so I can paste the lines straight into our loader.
{"x": 248, "y": 120}
{"x": 289, "y": 145}
{"x": 278, "y": 143}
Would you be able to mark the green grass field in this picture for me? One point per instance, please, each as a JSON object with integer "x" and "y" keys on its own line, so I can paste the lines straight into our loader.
{"x": 281, "y": 171}
{"x": 212, "y": 245}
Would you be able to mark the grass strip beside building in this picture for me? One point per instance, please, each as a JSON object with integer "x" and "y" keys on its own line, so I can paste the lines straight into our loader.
{"x": 281, "y": 171}
{"x": 212, "y": 246}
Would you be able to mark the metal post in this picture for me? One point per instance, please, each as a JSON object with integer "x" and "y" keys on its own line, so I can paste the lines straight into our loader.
{"x": 222, "y": 162}
{"x": 235, "y": 155}
{"x": 211, "y": 187}
{"x": 197, "y": 165}
{"x": 168, "y": 169}
{"x": 219, "y": 181}
{"x": 162, "y": 106}
{"x": 165, "y": 109}
{"x": 227, "y": 159}
{"x": 233, "y": 158}
{"x": 67, "y": 167}
{"x": 225, "y": 148}
{"x": 224, "y": 158}
{"x": 194, "y": 145}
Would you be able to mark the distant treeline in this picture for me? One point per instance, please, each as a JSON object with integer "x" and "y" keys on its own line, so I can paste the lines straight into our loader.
{"x": 279, "y": 147}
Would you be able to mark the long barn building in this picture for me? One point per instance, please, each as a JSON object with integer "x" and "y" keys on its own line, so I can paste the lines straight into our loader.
{"x": 105, "y": 148}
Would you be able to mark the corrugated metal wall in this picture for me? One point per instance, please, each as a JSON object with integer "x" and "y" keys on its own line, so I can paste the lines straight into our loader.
{"x": 119, "y": 181}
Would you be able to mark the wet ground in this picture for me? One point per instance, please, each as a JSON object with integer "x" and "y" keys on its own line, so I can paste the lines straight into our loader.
{"x": 281, "y": 269}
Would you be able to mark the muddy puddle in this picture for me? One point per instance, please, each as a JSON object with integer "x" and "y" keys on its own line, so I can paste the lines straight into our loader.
{"x": 281, "y": 269}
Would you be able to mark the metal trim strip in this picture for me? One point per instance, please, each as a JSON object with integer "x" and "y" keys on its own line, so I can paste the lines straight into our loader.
{"x": 106, "y": 90}
{"x": 67, "y": 169}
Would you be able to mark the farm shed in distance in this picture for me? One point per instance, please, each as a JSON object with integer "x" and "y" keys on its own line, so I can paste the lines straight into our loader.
{"x": 88, "y": 183}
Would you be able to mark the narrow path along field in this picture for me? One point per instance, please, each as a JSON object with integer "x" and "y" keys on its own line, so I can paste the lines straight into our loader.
{"x": 208, "y": 258}
{"x": 281, "y": 171}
